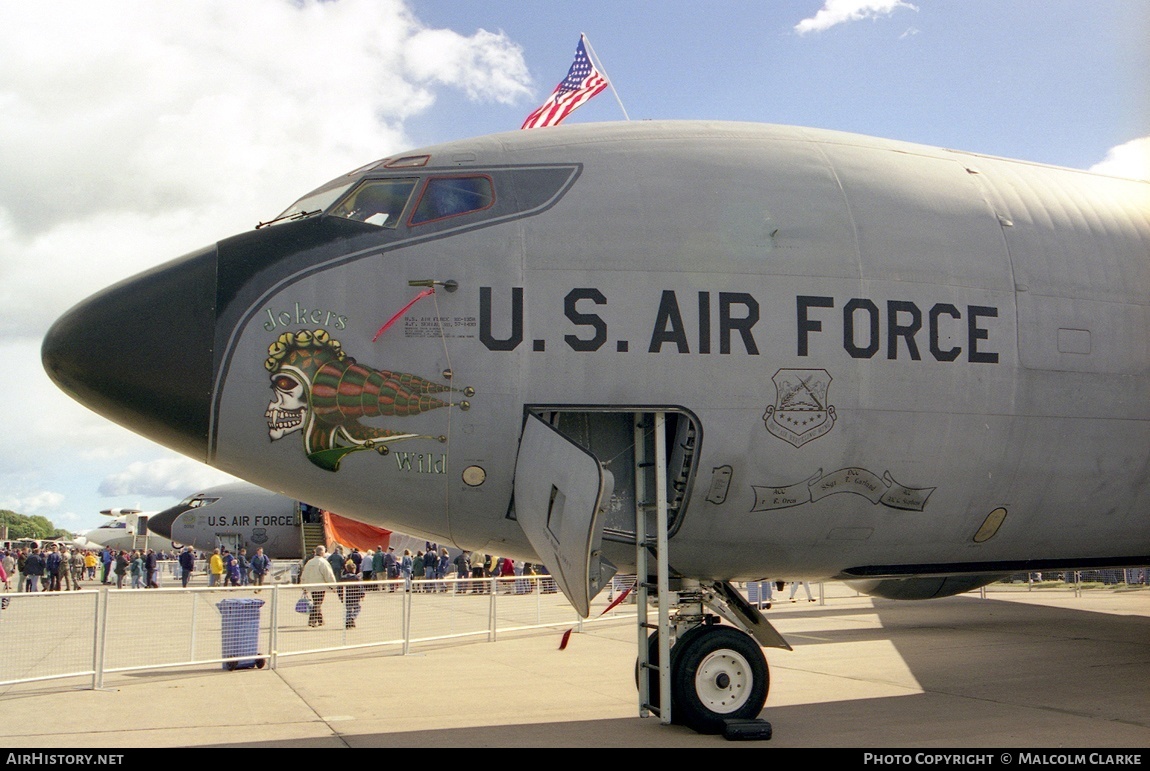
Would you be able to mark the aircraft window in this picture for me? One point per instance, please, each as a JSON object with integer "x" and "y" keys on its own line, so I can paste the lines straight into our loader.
{"x": 450, "y": 196}
{"x": 377, "y": 202}
{"x": 312, "y": 203}
{"x": 366, "y": 167}
{"x": 196, "y": 503}
{"x": 407, "y": 162}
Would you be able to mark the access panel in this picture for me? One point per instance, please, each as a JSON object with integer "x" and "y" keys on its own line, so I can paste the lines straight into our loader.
{"x": 560, "y": 493}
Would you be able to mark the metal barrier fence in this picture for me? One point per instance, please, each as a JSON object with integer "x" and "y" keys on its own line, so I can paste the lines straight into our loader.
{"x": 1108, "y": 577}
{"x": 93, "y": 633}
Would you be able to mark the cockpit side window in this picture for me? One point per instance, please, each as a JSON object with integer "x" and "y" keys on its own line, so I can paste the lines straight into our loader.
{"x": 451, "y": 196}
{"x": 377, "y": 202}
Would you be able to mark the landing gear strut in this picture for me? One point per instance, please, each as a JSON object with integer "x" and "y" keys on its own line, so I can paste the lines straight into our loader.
{"x": 713, "y": 677}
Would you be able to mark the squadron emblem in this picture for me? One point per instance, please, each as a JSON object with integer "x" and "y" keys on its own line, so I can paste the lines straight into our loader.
{"x": 800, "y": 412}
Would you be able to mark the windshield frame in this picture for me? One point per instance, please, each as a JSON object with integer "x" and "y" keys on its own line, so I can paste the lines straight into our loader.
{"x": 315, "y": 202}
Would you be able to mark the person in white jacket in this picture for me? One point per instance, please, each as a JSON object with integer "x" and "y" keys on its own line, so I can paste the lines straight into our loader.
{"x": 317, "y": 571}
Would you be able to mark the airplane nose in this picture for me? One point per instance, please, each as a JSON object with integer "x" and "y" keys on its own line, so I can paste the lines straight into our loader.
{"x": 161, "y": 524}
{"x": 140, "y": 352}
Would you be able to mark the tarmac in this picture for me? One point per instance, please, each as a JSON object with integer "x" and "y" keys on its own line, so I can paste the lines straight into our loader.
{"x": 1019, "y": 669}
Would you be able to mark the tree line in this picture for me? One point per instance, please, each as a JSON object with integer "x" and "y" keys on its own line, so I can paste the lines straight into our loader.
{"x": 21, "y": 526}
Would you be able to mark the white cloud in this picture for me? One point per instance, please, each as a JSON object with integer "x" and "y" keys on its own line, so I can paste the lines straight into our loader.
{"x": 835, "y": 12}
{"x": 145, "y": 130}
{"x": 134, "y": 132}
{"x": 41, "y": 503}
{"x": 444, "y": 56}
{"x": 166, "y": 477}
{"x": 1131, "y": 159}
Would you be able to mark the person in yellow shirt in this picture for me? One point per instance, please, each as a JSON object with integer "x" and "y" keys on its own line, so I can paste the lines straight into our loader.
{"x": 90, "y": 562}
{"x": 215, "y": 569}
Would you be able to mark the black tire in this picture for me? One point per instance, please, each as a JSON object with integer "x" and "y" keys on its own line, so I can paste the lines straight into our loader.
{"x": 718, "y": 673}
{"x": 231, "y": 665}
{"x": 259, "y": 663}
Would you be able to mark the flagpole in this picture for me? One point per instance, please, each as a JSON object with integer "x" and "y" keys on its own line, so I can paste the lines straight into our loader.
{"x": 599, "y": 66}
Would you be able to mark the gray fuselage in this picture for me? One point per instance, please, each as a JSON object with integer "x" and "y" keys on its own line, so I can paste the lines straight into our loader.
{"x": 888, "y": 359}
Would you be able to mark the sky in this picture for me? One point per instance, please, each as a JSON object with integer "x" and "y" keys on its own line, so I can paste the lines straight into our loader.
{"x": 134, "y": 132}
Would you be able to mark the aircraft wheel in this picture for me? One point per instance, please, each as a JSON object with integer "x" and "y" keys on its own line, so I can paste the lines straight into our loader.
{"x": 717, "y": 673}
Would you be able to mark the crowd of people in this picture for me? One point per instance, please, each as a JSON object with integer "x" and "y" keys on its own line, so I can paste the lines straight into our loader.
{"x": 59, "y": 567}
{"x": 429, "y": 564}
{"x": 228, "y": 569}
{"x": 341, "y": 567}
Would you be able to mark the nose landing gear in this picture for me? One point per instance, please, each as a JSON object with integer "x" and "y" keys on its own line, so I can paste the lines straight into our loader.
{"x": 718, "y": 673}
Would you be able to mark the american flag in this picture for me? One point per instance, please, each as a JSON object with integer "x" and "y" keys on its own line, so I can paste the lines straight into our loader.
{"x": 583, "y": 81}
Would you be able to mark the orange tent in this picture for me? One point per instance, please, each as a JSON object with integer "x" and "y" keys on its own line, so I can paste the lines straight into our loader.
{"x": 351, "y": 533}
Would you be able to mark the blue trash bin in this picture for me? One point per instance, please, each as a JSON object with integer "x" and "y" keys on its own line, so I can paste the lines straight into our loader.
{"x": 755, "y": 594}
{"x": 240, "y": 632}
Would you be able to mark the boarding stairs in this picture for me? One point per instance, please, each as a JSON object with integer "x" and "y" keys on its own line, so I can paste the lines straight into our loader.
{"x": 312, "y": 535}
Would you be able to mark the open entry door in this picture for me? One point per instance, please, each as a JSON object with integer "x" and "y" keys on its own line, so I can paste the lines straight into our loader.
{"x": 560, "y": 491}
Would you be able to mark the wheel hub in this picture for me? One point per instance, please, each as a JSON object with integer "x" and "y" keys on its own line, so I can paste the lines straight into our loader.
{"x": 723, "y": 681}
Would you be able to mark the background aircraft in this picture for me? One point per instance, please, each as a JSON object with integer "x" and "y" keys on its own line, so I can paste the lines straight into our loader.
{"x": 126, "y": 529}
{"x": 40, "y": 543}
{"x": 769, "y": 351}
{"x": 241, "y": 514}
{"x": 235, "y": 515}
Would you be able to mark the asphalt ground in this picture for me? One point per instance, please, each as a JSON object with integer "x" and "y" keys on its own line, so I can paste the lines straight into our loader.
{"x": 1041, "y": 669}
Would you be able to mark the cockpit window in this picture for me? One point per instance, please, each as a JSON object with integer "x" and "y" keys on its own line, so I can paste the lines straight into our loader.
{"x": 377, "y": 202}
{"x": 197, "y": 501}
{"x": 312, "y": 203}
{"x": 450, "y": 196}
